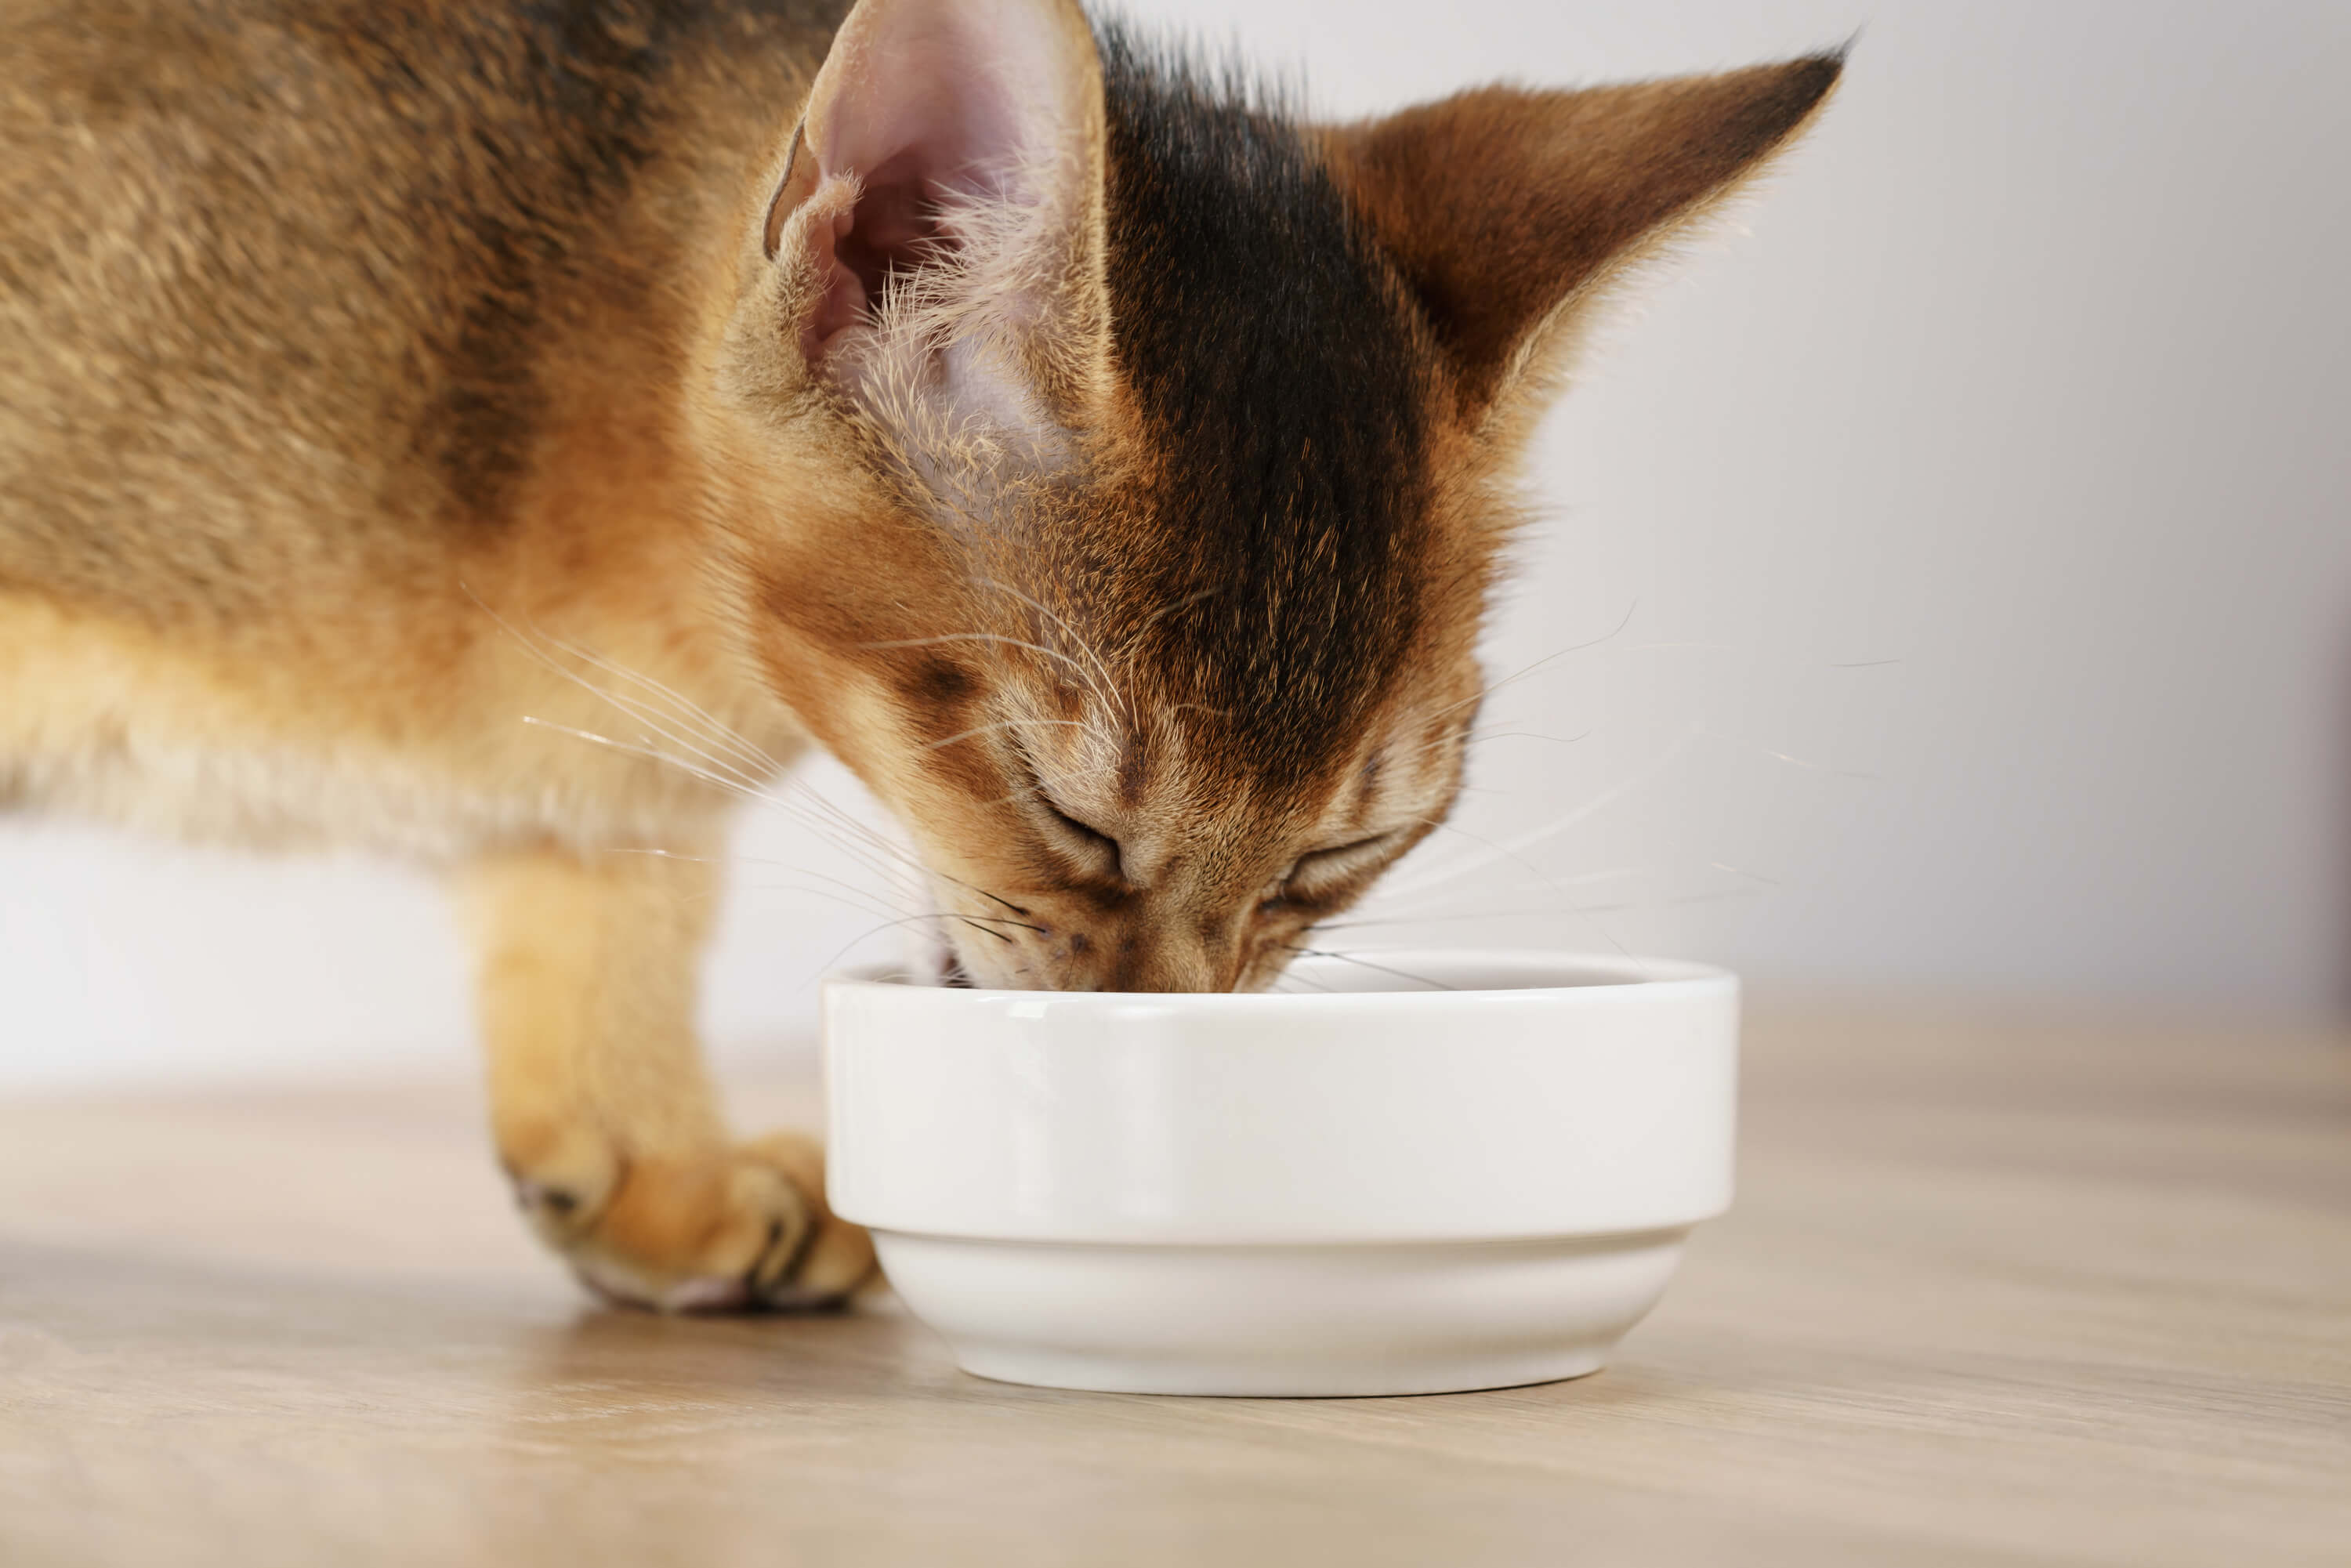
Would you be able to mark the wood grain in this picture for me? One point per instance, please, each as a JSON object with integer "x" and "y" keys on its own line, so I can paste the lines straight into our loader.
{"x": 1994, "y": 1292}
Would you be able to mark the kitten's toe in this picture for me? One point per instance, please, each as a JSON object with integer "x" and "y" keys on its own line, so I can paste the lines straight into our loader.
{"x": 745, "y": 1228}
{"x": 817, "y": 1266}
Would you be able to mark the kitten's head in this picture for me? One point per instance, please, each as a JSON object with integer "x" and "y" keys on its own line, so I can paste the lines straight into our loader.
{"x": 1149, "y": 452}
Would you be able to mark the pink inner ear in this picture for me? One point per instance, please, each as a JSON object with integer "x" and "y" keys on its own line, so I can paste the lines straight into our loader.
{"x": 923, "y": 107}
{"x": 895, "y": 221}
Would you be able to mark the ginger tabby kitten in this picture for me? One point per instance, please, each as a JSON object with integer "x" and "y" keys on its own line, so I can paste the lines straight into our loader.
{"x": 1106, "y": 466}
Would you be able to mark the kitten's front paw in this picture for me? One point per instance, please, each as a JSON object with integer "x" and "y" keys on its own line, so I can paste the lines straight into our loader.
{"x": 735, "y": 1229}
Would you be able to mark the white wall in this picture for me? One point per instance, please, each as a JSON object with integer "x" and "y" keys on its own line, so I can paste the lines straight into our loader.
{"x": 1979, "y": 516}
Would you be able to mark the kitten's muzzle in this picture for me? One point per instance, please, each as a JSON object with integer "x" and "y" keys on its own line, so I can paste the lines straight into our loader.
{"x": 1133, "y": 953}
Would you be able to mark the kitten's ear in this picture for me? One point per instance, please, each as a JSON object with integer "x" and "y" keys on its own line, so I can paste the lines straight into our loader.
{"x": 1502, "y": 208}
{"x": 943, "y": 201}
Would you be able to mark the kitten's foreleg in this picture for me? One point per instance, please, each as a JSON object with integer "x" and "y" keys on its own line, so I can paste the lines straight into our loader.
{"x": 601, "y": 1107}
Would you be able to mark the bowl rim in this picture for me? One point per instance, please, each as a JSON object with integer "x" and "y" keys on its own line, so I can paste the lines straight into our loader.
{"x": 1673, "y": 979}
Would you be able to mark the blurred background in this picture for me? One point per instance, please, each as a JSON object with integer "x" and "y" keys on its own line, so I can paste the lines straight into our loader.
{"x": 1939, "y": 585}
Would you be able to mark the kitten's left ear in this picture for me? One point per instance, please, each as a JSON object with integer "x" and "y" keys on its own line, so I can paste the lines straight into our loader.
{"x": 1504, "y": 209}
{"x": 942, "y": 207}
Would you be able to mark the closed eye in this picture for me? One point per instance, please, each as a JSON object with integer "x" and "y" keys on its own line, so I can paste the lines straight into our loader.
{"x": 1079, "y": 841}
{"x": 1091, "y": 844}
{"x": 1324, "y": 874}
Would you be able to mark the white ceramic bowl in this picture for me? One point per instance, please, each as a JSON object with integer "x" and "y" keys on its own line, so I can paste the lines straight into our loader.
{"x": 1378, "y": 1187}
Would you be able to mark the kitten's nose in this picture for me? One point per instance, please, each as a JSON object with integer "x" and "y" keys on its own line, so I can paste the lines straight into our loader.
{"x": 1168, "y": 961}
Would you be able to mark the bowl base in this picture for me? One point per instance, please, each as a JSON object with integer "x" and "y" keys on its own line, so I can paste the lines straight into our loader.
{"x": 1281, "y": 1321}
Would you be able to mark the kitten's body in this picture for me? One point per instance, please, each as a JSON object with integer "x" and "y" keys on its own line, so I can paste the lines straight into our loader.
{"x": 1107, "y": 467}
{"x": 323, "y": 327}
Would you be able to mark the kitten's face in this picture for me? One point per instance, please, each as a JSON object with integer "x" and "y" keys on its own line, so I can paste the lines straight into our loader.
{"x": 1160, "y": 440}
{"x": 1083, "y": 840}
{"x": 1119, "y": 776}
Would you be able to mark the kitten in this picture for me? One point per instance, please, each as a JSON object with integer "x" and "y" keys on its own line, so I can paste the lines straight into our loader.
{"x": 1104, "y": 464}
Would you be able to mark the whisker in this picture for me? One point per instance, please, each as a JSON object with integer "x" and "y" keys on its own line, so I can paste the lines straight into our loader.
{"x": 861, "y": 906}
{"x": 1618, "y": 907}
{"x": 1553, "y": 829}
{"x": 821, "y": 813}
{"x": 863, "y": 938}
{"x": 1367, "y": 963}
{"x": 1109, "y": 690}
{"x": 1375, "y": 902}
{"x": 1537, "y": 872}
{"x": 742, "y": 778}
{"x": 1468, "y": 738}
{"x": 686, "y": 708}
{"x": 866, "y": 893}
{"x": 806, "y": 805}
{"x": 1820, "y": 767}
{"x": 635, "y": 749}
{"x": 982, "y": 637}
{"x": 796, "y": 869}
{"x": 1006, "y": 902}
{"x": 1582, "y": 879}
{"x": 1463, "y": 915}
{"x": 720, "y": 783}
{"x": 738, "y": 776}
{"x": 1539, "y": 663}
{"x": 972, "y": 920}
{"x": 1007, "y": 724}
{"x": 1475, "y": 737}
{"x": 627, "y": 706}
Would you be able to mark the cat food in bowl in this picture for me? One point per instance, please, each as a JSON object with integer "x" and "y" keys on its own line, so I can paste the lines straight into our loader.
{"x": 1476, "y": 1177}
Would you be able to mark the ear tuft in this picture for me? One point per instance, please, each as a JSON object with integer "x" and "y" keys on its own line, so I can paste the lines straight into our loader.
{"x": 1501, "y": 206}
{"x": 944, "y": 195}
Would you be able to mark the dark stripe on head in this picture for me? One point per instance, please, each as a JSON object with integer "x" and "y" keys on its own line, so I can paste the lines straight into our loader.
{"x": 1271, "y": 357}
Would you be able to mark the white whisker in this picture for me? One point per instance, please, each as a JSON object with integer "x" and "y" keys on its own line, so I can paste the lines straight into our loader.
{"x": 1540, "y": 875}
{"x": 630, "y": 707}
{"x": 1548, "y": 658}
{"x": 1600, "y": 802}
{"x": 1367, "y": 963}
{"x": 686, "y": 708}
{"x": 1005, "y": 638}
{"x": 1007, "y": 724}
{"x": 1108, "y": 690}
{"x": 1819, "y": 767}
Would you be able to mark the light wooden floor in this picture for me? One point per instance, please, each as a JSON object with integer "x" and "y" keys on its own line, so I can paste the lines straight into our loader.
{"x": 1992, "y": 1294}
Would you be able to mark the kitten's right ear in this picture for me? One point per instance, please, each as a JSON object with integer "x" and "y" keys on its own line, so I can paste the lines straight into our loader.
{"x": 1502, "y": 208}
{"x": 950, "y": 167}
